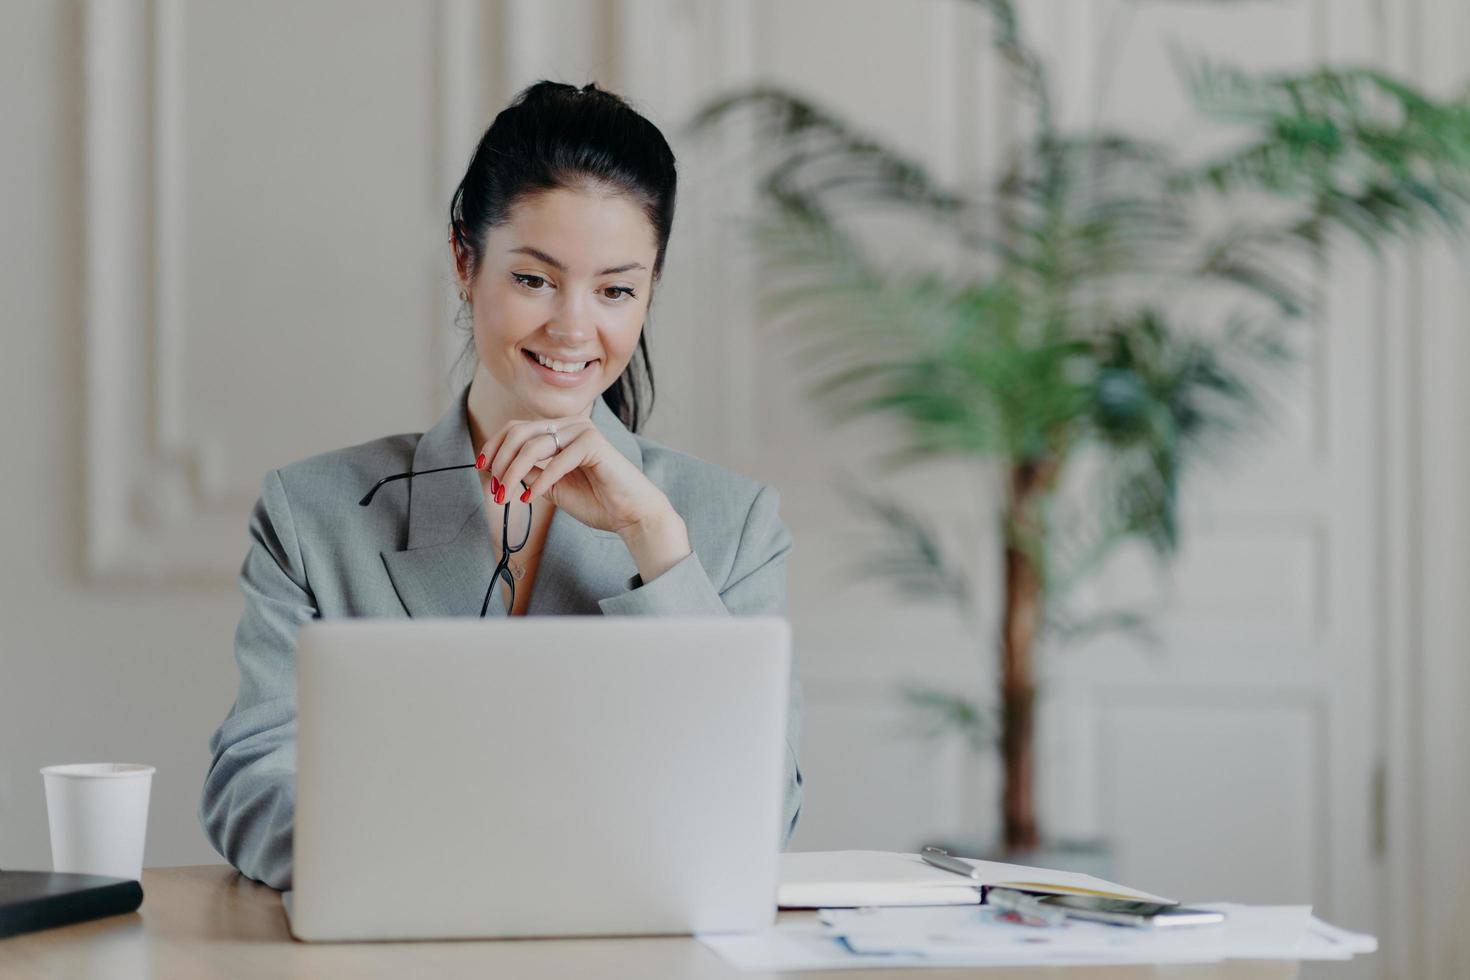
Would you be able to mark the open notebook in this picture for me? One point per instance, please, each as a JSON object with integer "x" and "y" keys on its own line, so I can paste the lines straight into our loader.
{"x": 849, "y": 879}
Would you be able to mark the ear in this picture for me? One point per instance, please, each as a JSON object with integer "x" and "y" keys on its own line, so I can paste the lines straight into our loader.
{"x": 461, "y": 258}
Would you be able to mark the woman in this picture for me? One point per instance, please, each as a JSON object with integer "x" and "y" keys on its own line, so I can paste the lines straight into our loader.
{"x": 558, "y": 233}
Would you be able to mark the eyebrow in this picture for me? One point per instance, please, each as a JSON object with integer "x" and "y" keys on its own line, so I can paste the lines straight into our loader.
{"x": 531, "y": 250}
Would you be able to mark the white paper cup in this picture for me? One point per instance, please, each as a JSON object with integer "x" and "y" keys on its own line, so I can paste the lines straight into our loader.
{"x": 99, "y": 817}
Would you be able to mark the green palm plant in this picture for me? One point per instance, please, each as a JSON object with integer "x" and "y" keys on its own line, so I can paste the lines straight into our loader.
{"x": 1074, "y": 331}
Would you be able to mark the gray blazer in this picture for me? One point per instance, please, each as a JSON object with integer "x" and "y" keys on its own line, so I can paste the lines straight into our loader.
{"x": 425, "y": 550}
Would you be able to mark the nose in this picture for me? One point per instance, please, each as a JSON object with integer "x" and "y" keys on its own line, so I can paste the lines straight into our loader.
{"x": 573, "y": 323}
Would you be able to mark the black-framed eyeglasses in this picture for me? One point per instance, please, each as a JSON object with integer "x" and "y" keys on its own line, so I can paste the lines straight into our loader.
{"x": 502, "y": 567}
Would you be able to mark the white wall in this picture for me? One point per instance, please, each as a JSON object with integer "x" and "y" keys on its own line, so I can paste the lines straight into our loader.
{"x": 193, "y": 326}
{"x": 86, "y": 671}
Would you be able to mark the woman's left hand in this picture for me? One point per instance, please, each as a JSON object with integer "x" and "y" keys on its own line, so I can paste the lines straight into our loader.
{"x": 588, "y": 478}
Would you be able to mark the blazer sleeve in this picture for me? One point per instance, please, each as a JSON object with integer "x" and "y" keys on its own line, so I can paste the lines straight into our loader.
{"x": 249, "y": 800}
{"x": 755, "y": 585}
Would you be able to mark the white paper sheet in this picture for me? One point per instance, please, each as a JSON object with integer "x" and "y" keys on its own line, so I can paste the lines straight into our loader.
{"x": 971, "y": 936}
{"x": 1333, "y": 938}
{"x": 982, "y": 934}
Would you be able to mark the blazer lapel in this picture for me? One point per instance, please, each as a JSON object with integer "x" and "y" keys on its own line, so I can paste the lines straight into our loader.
{"x": 446, "y": 567}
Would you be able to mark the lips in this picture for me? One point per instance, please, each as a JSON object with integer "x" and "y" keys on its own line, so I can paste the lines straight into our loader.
{"x": 561, "y": 378}
{"x": 560, "y": 357}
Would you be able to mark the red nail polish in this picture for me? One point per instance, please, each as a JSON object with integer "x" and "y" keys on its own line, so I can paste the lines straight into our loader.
{"x": 526, "y": 497}
{"x": 500, "y": 495}
{"x": 494, "y": 485}
{"x": 480, "y": 462}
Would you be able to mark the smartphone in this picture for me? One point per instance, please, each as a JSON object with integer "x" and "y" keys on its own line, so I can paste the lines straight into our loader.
{"x": 1121, "y": 912}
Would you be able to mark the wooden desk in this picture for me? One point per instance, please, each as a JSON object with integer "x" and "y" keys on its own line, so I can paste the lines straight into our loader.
{"x": 209, "y": 921}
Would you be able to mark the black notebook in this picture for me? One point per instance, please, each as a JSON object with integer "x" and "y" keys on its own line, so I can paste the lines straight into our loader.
{"x": 31, "y": 900}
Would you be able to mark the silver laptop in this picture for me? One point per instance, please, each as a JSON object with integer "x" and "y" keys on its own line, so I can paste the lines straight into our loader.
{"x": 538, "y": 776}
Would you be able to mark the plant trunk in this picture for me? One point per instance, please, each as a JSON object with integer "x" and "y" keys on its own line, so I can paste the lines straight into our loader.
{"x": 1024, "y": 602}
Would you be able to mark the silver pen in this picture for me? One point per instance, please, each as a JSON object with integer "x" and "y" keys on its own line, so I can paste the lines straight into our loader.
{"x": 1025, "y": 905}
{"x": 1008, "y": 899}
{"x": 942, "y": 859}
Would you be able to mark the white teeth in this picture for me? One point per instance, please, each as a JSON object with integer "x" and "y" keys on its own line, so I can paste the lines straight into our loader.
{"x": 561, "y": 366}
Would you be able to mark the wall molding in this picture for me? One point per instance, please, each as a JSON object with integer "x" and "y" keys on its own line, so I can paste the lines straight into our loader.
{"x": 1311, "y": 704}
{"x": 156, "y": 481}
{"x": 163, "y": 510}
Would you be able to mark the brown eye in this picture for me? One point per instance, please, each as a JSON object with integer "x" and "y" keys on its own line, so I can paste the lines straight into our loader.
{"x": 622, "y": 289}
{"x": 527, "y": 280}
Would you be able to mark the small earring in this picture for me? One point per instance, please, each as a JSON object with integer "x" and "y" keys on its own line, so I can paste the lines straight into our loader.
{"x": 464, "y": 297}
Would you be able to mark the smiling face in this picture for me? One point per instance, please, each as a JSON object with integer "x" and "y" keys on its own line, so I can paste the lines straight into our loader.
{"x": 567, "y": 278}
